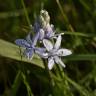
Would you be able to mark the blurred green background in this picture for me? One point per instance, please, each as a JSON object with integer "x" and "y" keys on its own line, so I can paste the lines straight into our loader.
{"x": 77, "y": 18}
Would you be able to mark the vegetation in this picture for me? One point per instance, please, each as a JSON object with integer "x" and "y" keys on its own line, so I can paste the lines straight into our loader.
{"x": 22, "y": 77}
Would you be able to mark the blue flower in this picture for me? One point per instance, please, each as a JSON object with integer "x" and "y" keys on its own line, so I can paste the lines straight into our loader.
{"x": 28, "y": 44}
{"x": 54, "y": 53}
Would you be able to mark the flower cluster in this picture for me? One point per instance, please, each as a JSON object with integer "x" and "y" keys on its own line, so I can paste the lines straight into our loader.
{"x": 44, "y": 31}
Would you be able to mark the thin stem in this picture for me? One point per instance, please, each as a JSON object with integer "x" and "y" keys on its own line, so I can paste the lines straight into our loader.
{"x": 66, "y": 84}
{"x": 22, "y": 74}
{"x": 60, "y": 71}
{"x": 27, "y": 85}
{"x": 68, "y": 25}
{"x": 26, "y": 13}
{"x": 51, "y": 82}
{"x": 19, "y": 65}
{"x": 16, "y": 83}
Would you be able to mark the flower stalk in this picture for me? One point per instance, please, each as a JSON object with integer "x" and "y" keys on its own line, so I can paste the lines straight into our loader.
{"x": 51, "y": 81}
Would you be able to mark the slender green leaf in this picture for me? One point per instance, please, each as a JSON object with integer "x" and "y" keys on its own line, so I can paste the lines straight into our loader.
{"x": 12, "y": 51}
{"x": 88, "y": 57}
{"x": 16, "y": 83}
{"x": 27, "y": 85}
{"x": 26, "y": 13}
{"x": 76, "y": 33}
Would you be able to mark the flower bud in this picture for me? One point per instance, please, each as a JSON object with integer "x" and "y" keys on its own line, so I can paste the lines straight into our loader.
{"x": 44, "y": 18}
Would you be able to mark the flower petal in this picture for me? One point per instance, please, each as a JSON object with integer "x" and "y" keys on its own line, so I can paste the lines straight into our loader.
{"x": 58, "y": 42}
{"x": 50, "y": 63}
{"x": 59, "y": 61}
{"x": 37, "y": 26}
{"x": 48, "y": 44}
{"x": 49, "y": 31}
{"x": 64, "y": 52}
{"x": 58, "y": 34}
{"x": 42, "y": 55}
{"x": 41, "y": 52}
{"x": 35, "y": 39}
{"x": 22, "y": 43}
{"x": 41, "y": 34}
{"x": 29, "y": 53}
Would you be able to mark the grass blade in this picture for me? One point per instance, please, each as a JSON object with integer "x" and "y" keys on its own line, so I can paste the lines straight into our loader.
{"x": 12, "y": 51}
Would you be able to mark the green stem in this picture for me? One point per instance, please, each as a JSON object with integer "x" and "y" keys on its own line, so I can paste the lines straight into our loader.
{"x": 62, "y": 75}
{"x": 51, "y": 82}
{"x": 26, "y": 13}
{"x": 60, "y": 70}
{"x": 26, "y": 84}
{"x": 16, "y": 83}
{"x": 68, "y": 25}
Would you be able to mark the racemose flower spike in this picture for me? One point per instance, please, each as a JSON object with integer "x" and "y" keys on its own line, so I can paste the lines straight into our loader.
{"x": 44, "y": 31}
{"x": 43, "y": 27}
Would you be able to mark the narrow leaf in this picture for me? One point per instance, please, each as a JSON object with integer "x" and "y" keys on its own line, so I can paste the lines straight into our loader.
{"x": 12, "y": 51}
{"x": 88, "y": 57}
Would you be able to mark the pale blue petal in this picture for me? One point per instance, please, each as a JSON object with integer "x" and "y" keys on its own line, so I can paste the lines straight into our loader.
{"x": 50, "y": 63}
{"x": 49, "y": 31}
{"x": 22, "y": 43}
{"x": 48, "y": 44}
{"x": 35, "y": 39}
{"x": 55, "y": 35}
{"x": 29, "y": 53}
{"x": 64, "y": 52}
{"x": 37, "y": 26}
{"x": 59, "y": 61}
{"x": 58, "y": 42}
{"x": 41, "y": 52}
{"x": 41, "y": 34}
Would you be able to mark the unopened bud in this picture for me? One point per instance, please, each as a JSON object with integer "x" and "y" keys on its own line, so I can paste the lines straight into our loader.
{"x": 44, "y": 18}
